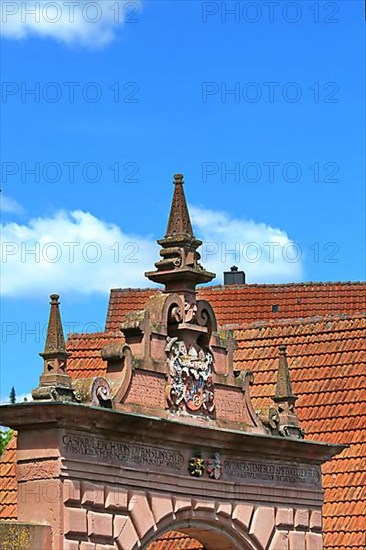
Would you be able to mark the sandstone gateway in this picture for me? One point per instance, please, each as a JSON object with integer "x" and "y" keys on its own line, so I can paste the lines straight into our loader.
{"x": 165, "y": 438}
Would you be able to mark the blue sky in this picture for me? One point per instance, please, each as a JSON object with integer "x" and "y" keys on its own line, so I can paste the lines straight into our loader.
{"x": 263, "y": 111}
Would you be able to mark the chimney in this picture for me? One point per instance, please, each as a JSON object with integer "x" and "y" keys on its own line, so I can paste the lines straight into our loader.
{"x": 234, "y": 277}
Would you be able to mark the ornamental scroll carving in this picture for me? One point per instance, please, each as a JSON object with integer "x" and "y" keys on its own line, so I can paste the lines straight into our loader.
{"x": 190, "y": 388}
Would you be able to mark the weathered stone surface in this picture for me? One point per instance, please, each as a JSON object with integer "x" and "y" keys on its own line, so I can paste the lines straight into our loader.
{"x": 224, "y": 510}
{"x": 87, "y": 546}
{"x": 208, "y": 505}
{"x": 243, "y": 514}
{"x": 100, "y": 525}
{"x": 116, "y": 498}
{"x": 297, "y": 540}
{"x": 38, "y": 469}
{"x": 20, "y": 536}
{"x": 141, "y": 514}
{"x": 316, "y": 520}
{"x": 125, "y": 533}
{"x": 262, "y": 524}
{"x": 302, "y": 518}
{"x": 280, "y": 541}
{"x": 71, "y": 491}
{"x": 314, "y": 541}
{"x": 284, "y": 517}
{"x": 75, "y": 521}
{"x": 71, "y": 545}
{"x": 181, "y": 504}
{"x": 161, "y": 506}
{"x": 93, "y": 494}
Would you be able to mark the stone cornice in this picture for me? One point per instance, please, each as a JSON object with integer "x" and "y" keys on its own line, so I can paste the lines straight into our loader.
{"x": 43, "y": 415}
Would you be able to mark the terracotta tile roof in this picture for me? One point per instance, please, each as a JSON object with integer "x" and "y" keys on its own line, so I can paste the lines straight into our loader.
{"x": 248, "y": 303}
{"x": 85, "y": 360}
{"x": 8, "y": 484}
{"x": 175, "y": 541}
{"x": 327, "y": 362}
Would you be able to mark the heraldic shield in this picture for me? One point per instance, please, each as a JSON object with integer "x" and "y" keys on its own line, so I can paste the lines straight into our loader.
{"x": 191, "y": 386}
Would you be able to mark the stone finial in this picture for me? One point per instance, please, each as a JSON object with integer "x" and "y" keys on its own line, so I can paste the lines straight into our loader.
{"x": 179, "y": 221}
{"x": 55, "y": 341}
{"x": 54, "y": 383}
{"x": 179, "y": 269}
{"x": 288, "y": 423}
{"x": 283, "y": 385}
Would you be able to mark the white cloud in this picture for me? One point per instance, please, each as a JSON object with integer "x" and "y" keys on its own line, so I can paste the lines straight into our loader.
{"x": 87, "y": 23}
{"x": 265, "y": 253}
{"x": 79, "y": 253}
{"x": 10, "y": 205}
{"x": 72, "y": 252}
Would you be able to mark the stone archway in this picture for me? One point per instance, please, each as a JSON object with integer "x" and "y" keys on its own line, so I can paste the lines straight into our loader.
{"x": 211, "y": 530}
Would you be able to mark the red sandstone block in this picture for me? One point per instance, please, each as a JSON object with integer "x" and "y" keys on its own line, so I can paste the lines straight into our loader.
{"x": 297, "y": 540}
{"x": 203, "y": 505}
{"x": 116, "y": 499}
{"x": 100, "y": 525}
{"x": 71, "y": 545}
{"x": 93, "y": 494}
{"x": 316, "y": 520}
{"x": 75, "y": 521}
{"x": 104, "y": 547}
{"x": 314, "y": 541}
{"x": 181, "y": 504}
{"x": 285, "y": 517}
{"x": 280, "y": 541}
{"x": 87, "y": 546}
{"x": 161, "y": 507}
{"x": 71, "y": 491}
{"x": 243, "y": 514}
{"x": 125, "y": 533}
{"x": 302, "y": 518}
{"x": 141, "y": 514}
{"x": 224, "y": 510}
{"x": 262, "y": 524}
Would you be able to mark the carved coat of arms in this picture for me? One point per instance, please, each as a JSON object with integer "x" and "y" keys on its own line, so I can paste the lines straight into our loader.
{"x": 191, "y": 386}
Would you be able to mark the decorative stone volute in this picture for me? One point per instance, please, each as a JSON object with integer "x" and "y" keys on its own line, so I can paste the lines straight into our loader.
{"x": 288, "y": 423}
{"x": 54, "y": 383}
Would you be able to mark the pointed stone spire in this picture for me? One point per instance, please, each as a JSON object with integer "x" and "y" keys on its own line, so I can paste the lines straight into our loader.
{"x": 283, "y": 385}
{"x": 55, "y": 341}
{"x": 179, "y": 221}
{"x": 285, "y": 400}
{"x": 179, "y": 270}
{"x": 54, "y": 383}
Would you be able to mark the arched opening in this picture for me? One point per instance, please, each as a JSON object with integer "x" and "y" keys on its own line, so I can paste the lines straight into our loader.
{"x": 197, "y": 534}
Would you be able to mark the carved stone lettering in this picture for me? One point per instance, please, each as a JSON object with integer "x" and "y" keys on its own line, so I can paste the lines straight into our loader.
{"x": 277, "y": 473}
{"x": 122, "y": 453}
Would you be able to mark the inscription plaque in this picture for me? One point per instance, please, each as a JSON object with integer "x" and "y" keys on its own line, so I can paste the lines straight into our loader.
{"x": 123, "y": 453}
{"x": 258, "y": 472}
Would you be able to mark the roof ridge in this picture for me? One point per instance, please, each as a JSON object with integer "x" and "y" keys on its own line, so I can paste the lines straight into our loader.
{"x": 86, "y": 335}
{"x": 250, "y": 285}
{"x": 296, "y": 321}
